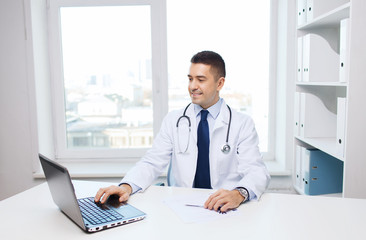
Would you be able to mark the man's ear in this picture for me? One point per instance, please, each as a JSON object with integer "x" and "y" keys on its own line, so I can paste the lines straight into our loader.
{"x": 221, "y": 83}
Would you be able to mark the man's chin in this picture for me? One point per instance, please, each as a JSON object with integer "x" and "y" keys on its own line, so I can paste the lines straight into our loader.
{"x": 196, "y": 101}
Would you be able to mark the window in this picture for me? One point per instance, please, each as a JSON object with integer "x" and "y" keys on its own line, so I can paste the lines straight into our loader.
{"x": 239, "y": 32}
{"x": 107, "y": 75}
{"x": 104, "y": 77}
{"x": 112, "y": 85}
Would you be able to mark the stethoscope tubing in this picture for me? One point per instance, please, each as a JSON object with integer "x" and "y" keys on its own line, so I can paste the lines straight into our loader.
{"x": 226, "y": 147}
{"x": 185, "y": 116}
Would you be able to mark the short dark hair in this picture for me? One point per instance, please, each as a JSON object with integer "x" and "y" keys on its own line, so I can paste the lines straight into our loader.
{"x": 213, "y": 59}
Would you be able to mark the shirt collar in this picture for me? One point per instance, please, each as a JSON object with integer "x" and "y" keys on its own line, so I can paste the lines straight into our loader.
{"x": 214, "y": 110}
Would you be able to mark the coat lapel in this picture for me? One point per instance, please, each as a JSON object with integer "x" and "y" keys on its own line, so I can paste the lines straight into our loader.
{"x": 192, "y": 116}
{"x": 222, "y": 119}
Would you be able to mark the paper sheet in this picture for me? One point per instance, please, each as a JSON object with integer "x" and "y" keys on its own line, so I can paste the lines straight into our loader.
{"x": 190, "y": 214}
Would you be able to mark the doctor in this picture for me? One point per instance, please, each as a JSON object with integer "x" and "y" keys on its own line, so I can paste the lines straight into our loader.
{"x": 205, "y": 145}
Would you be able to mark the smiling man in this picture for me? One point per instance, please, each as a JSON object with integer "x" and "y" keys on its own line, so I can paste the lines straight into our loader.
{"x": 205, "y": 81}
{"x": 221, "y": 146}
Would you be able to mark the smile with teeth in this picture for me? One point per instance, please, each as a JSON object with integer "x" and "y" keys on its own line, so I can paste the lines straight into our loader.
{"x": 195, "y": 94}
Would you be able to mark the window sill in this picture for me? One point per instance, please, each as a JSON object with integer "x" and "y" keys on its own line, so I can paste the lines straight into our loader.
{"x": 89, "y": 169}
{"x": 276, "y": 168}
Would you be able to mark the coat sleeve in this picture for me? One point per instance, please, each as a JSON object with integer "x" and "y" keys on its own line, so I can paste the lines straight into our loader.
{"x": 255, "y": 176}
{"x": 155, "y": 161}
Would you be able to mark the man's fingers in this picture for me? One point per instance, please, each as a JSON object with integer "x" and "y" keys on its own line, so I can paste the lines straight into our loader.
{"x": 104, "y": 193}
{"x": 212, "y": 200}
{"x": 99, "y": 194}
{"x": 122, "y": 199}
{"x": 208, "y": 201}
{"x": 218, "y": 204}
{"x": 222, "y": 200}
{"x": 226, "y": 207}
{"x": 105, "y": 197}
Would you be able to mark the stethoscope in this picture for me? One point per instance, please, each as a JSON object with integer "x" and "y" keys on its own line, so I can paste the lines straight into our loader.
{"x": 225, "y": 148}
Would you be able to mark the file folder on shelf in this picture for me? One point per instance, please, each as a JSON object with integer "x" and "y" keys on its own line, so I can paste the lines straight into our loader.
{"x": 341, "y": 126}
{"x": 344, "y": 50}
{"x": 299, "y": 59}
{"x": 298, "y": 178}
{"x": 320, "y": 61}
{"x": 301, "y": 12}
{"x": 323, "y": 174}
{"x": 297, "y": 114}
{"x": 316, "y": 121}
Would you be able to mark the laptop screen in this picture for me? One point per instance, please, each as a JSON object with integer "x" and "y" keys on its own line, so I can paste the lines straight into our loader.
{"x": 62, "y": 190}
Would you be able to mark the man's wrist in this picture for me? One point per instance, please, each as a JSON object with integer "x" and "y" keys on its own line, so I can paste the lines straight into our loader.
{"x": 127, "y": 187}
{"x": 243, "y": 192}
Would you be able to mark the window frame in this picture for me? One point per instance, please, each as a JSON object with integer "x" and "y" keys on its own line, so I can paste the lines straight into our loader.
{"x": 159, "y": 76}
{"x": 160, "y": 79}
{"x": 270, "y": 155}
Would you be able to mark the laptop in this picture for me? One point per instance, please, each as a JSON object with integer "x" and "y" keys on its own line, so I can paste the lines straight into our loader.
{"x": 87, "y": 214}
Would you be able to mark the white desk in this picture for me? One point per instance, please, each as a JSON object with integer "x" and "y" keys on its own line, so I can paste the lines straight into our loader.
{"x": 275, "y": 216}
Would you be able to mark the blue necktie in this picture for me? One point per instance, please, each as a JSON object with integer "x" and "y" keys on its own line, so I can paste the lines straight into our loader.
{"x": 202, "y": 177}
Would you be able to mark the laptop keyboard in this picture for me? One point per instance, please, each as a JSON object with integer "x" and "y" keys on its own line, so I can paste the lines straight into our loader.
{"x": 97, "y": 214}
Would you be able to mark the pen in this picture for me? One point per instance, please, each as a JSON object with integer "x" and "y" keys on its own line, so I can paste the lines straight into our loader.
{"x": 195, "y": 205}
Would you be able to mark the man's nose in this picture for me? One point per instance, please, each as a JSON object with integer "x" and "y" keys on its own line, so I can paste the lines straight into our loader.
{"x": 193, "y": 85}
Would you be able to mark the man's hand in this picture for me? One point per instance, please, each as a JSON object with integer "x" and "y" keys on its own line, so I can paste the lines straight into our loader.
{"x": 124, "y": 191}
{"x": 224, "y": 199}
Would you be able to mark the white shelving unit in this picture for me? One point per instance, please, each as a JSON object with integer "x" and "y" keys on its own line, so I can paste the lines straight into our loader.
{"x": 330, "y": 114}
{"x": 328, "y": 19}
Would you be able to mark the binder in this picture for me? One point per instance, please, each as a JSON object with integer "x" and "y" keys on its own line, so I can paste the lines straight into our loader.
{"x": 297, "y": 114}
{"x": 323, "y": 173}
{"x": 299, "y": 59}
{"x": 305, "y": 163}
{"x": 341, "y": 126}
{"x": 298, "y": 173}
{"x": 344, "y": 50}
{"x": 315, "y": 119}
{"x": 301, "y": 12}
{"x": 320, "y": 61}
{"x": 310, "y": 10}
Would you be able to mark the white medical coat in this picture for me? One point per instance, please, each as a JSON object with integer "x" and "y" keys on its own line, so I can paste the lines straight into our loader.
{"x": 241, "y": 167}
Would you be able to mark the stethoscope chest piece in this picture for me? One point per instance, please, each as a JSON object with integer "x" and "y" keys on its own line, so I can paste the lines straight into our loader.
{"x": 225, "y": 149}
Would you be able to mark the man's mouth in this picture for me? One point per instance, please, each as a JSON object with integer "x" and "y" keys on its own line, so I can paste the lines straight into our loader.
{"x": 194, "y": 94}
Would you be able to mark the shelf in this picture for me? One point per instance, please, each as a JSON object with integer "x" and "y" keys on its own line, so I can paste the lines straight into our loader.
{"x": 325, "y": 84}
{"x": 344, "y": 99}
{"x": 330, "y": 19}
{"x": 335, "y": 195}
{"x": 327, "y": 92}
{"x": 327, "y": 145}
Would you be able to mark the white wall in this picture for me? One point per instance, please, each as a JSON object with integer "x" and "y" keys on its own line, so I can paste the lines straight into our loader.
{"x": 16, "y": 141}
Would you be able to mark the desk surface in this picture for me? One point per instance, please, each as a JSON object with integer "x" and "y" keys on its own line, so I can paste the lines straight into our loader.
{"x": 275, "y": 216}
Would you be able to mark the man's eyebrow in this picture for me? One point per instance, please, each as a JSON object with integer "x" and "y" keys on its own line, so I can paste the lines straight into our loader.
{"x": 198, "y": 76}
